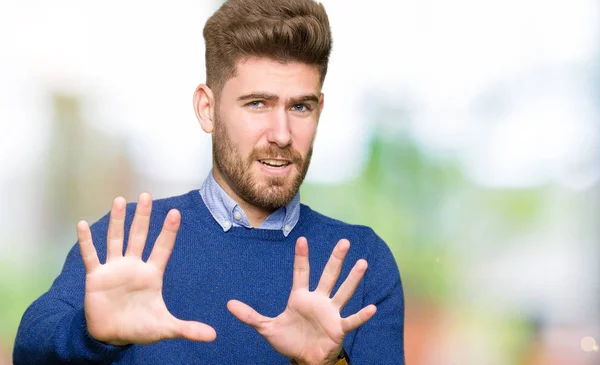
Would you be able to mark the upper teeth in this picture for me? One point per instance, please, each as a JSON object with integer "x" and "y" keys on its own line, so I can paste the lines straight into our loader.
{"x": 275, "y": 162}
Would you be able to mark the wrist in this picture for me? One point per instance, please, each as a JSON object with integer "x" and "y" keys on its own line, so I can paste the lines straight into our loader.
{"x": 341, "y": 359}
{"x": 300, "y": 362}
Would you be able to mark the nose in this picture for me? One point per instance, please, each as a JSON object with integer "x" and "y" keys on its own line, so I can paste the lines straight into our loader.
{"x": 280, "y": 130}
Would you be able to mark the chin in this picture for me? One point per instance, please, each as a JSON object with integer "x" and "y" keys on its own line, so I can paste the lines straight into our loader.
{"x": 273, "y": 193}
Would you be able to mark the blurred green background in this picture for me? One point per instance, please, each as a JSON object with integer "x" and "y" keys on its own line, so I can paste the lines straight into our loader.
{"x": 465, "y": 133}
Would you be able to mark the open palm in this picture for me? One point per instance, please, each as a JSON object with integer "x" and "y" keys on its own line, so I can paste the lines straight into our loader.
{"x": 310, "y": 329}
{"x": 123, "y": 297}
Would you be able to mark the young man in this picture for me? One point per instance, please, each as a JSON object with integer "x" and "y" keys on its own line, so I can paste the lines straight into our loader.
{"x": 239, "y": 245}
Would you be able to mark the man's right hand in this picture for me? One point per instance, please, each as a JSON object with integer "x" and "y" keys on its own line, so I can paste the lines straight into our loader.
{"x": 123, "y": 297}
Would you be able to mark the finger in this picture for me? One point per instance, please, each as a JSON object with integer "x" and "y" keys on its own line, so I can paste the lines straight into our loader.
{"x": 116, "y": 233}
{"x": 249, "y": 316}
{"x": 139, "y": 227}
{"x": 86, "y": 246}
{"x": 331, "y": 272}
{"x": 358, "y": 319}
{"x": 166, "y": 240}
{"x": 349, "y": 285}
{"x": 301, "y": 265}
{"x": 192, "y": 330}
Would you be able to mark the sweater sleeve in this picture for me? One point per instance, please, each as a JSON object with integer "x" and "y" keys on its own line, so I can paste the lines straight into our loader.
{"x": 53, "y": 329}
{"x": 381, "y": 340}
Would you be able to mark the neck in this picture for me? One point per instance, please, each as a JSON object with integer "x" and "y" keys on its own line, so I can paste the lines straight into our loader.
{"x": 256, "y": 215}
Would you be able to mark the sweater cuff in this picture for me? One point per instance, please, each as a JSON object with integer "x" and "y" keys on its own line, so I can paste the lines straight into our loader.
{"x": 100, "y": 349}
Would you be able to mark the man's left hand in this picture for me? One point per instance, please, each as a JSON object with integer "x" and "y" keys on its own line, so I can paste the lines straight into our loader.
{"x": 310, "y": 329}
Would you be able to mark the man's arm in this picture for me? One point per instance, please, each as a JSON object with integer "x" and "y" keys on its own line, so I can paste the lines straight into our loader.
{"x": 381, "y": 340}
{"x": 92, "y": 306}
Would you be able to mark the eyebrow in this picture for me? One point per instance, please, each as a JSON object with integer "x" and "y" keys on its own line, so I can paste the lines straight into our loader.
{"x": 264, "y": 96}
{"x": 310, "y": 97}
{"x": 268, "y": 96}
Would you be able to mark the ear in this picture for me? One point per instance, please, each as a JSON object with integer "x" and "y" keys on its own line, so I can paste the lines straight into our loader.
{"x": 204, "y": 104}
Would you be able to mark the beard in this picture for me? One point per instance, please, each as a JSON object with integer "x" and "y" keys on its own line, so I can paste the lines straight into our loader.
{"x": 266, "y": 192}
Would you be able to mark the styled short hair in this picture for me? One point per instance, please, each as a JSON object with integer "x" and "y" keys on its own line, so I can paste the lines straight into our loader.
{"x": 283, "y": 30}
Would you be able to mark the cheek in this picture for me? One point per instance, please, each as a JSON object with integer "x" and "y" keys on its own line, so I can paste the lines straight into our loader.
{"x": 304, "y": 134}
{"x": 246, "y": 137}
{"x": 242, "y": 131}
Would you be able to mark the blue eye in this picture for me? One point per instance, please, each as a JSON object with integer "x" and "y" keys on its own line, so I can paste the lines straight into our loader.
{"x": 301, "y": 108}
{"x": 255, "y": 104}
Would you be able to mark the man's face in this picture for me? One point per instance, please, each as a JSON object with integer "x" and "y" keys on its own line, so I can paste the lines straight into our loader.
{"x": 264, "y": 126}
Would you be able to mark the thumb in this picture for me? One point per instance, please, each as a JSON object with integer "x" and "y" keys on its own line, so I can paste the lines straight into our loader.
{"x": 192, "y": 330}
{"x": 246, "y": 314}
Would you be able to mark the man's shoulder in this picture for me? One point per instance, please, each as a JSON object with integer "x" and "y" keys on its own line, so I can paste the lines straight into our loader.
{"x": 160, "y": 207}
{"x": 181, "y": 202}
{"x": 337, "y": 224}
{"x": 365, "y": 241}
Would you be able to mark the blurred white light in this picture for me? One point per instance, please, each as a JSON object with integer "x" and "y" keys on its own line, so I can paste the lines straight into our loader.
{"x": 588, "y": 344}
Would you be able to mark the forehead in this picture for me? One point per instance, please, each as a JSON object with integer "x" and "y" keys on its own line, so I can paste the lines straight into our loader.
{"x": 268, "y": 75}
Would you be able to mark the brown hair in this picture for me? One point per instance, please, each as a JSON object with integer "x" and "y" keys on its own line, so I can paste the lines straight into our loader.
{"x": 284, "y": 30}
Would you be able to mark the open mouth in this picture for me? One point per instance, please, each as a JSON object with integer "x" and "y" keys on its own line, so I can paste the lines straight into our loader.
{"x": 275, "y": 163}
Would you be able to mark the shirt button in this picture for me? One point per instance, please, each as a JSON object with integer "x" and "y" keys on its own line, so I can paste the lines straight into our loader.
{"x": 237, "y": 216}
{"x": 226, "y": 224}
{"x": 287, "y": 227}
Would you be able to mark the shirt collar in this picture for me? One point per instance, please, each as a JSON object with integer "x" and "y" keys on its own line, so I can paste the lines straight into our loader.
{"x": 229, "y": 214}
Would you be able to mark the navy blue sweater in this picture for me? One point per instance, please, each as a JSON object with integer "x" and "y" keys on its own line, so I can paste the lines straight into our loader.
{"x": 207, "y": 268}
